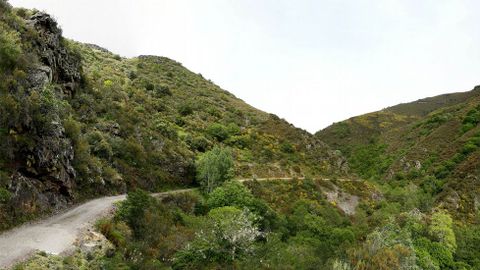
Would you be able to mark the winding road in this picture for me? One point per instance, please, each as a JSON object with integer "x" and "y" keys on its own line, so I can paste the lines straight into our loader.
{"x": 57, "y": 234}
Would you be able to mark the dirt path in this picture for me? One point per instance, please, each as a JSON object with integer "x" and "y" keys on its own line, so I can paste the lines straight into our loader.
{"x": 58, "y": 233}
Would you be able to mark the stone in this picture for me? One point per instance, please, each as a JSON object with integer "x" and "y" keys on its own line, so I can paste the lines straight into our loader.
{"x": 38, "y": 77}
{"x": 65, "y": 67}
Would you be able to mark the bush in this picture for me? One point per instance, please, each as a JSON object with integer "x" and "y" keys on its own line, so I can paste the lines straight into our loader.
{"x": 164, "y": 90}
{"x": 468, "y": 240}
{"x": 200, "y": 144}
{"x": 219, "y": 132}
{"x": 471, "y": 120}
{"x": 185, "y": 109}
{"x": 370, "y": 160}
{"x": 149, "y": 86}
{"x": 9, "y": 49}
{"x": 469, "y": 148}
{"x": 132, "y": 211}
{"x": 287, "y": 147}
{"x": 115, "y": 233}
{"x": 5, "y": 195}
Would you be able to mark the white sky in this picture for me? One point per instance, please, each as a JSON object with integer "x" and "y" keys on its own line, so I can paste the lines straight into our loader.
{"x": 310, "y": 62}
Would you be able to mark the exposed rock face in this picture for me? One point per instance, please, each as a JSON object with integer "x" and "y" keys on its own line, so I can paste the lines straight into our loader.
{"x": 38, "y": 77}
{"x": 65, "y": 68}
{"x": 31, "y": 195}
{"x": 346, "y": 202}
{"x": 44, "y": 177}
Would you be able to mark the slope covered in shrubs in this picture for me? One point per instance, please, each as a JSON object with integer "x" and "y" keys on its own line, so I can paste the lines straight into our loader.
{"x": 78, "y": 121}
{"x": 432, "y": 144}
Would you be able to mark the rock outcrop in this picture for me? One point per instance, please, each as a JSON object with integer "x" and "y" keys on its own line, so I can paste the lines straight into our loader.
{"x": 44, "y": 178}
{"x": 59, "y": 64}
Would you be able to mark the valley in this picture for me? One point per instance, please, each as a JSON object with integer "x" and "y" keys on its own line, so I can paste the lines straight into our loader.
{"x": 108, "y": 162}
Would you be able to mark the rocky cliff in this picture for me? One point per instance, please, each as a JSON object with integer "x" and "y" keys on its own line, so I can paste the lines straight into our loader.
{"x": 43, "y": 176}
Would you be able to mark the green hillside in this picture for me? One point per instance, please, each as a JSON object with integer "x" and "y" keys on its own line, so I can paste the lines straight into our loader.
{"x": 393, "y": 189}
{"x": 77, "y": 121}
{"x": 433, "y": 142}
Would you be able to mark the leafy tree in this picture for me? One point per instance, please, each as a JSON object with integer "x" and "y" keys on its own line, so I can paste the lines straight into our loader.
{"x": 234, "y": 193}
{"x": 234, "y": 229}
{"x": 441, "y": 230}
{"x": 214, "y": 167}
{"x": 229, "y": 234}
{"x": 386, "y": 248}
{"x": 132, "y": 210}
{"x": 231, "y": 193}
{"x": 468, "y": 241}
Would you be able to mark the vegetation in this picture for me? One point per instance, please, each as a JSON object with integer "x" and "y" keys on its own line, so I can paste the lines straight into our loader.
{"x": 226, "y": 229}
{"x": 118, "y": 124}
{"x": 214, "y": 167}
{"x": 96, "y": 123}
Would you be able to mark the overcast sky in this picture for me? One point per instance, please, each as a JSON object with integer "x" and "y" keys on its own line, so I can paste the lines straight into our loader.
{"x": 310, "y": 62}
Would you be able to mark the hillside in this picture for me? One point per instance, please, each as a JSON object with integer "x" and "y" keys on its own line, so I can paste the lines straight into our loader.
{"x": 237, "y": 188}
{"x": 432, "y": 142}
{"x": 77, "y": 121}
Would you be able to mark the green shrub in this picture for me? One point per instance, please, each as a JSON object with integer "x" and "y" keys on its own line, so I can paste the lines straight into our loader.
{"x": 471, "y": 120}
{"x": 163, "y": 90}
{"x": 110, "y": 230}
{"x": 218, "y": 131}
{"x": 4, "y": 6}
{"x": 287, "y": 147}
{"x": 370, "y": 160}
{"x": 149, "y": 86}
{"x": 200, "y": 144}
{"x": 185, "y": 109}
{"x": 441, "y": 230}
{"x": 5, "y": 195}
{"x": 10, "y": 49}
{"x": 108, "y": 83}
{"x": 468, "y": 148}
{"x": 132, "y": 211}
{"x": 99, "y": 145}
{"x": 233, "y": 129}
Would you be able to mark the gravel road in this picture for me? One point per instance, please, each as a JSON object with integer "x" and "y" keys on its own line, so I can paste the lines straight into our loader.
{"x": 57, "y": 234}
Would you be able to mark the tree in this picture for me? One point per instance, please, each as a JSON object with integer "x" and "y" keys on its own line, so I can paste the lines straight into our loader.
{"x": 133, "y": 209}
{"x": 389, "y": 247}
{"x": 214, "y": 167}
{"x": 231, "y": 193}
{"x": 229, "y": 234}
{"x": 234, "y": 193}
{"x": 440, "y": 229}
